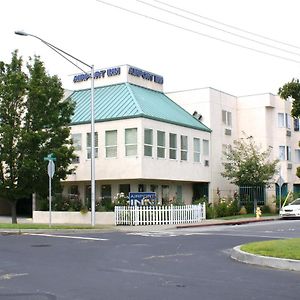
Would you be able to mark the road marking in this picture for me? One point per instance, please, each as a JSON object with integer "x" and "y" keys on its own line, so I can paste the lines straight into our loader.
{"x": 66, "y": 236}
{"x": 11, "y": 275}
{"x": 159, "y": 234}
{"x": 168, "y": 255}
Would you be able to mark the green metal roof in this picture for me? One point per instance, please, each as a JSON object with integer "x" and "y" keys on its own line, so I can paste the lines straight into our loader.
{"x": 125, "y": 100}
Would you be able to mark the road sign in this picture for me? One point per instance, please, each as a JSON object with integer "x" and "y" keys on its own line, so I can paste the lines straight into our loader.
{"x": 280, "y": 181}
{"x": 51, "y": 168}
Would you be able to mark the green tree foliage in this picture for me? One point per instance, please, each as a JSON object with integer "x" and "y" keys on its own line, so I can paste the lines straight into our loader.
{"x": 292, "y": 90}
{"x": 246, "y": 165}
{"x": 34, "y": 121}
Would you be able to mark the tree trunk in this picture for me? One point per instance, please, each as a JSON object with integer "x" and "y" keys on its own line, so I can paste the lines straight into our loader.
{"x": 13, "y": 205}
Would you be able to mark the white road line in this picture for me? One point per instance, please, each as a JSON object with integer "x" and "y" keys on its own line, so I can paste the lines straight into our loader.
{"x": 11, "y": 275}
{"x": 66, "y": 236}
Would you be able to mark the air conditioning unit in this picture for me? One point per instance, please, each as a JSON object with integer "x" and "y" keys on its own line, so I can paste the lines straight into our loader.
{"x": 227, "y": 131}
{"x": 289, "y": 166}
{"x": 206, "y": 163}
{"x": 288, "y": 133}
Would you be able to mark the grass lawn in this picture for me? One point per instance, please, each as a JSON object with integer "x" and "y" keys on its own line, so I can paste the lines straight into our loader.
{"x": 289, "y": 248}
{"x": 247, "y": 216}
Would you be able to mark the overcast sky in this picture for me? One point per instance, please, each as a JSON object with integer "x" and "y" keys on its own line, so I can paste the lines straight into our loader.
{"x": 193, "y": 58}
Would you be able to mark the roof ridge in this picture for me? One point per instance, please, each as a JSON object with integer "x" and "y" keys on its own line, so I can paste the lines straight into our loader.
{"x": 128, "y": 86}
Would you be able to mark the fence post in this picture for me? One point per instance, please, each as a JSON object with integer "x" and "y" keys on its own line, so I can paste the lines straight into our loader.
{"x": 203, "y": 211}
{"x": 171, "y": 214}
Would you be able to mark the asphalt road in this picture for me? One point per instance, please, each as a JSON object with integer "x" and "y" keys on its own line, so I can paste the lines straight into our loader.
{"x": 192, "y": 263}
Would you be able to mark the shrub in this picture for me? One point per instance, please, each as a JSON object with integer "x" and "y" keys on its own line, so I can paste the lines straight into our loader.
{"x": 243, "y": 210}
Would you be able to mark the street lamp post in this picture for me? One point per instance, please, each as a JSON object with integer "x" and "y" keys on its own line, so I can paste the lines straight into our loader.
{"x": 67, "y": 56}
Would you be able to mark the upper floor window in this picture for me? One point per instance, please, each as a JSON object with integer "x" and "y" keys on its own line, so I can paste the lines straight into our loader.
{"x": 196, "y": 150}
{"x": 297, "y": 156}
{"x": 284, "y": 120}
{"x": 227, "y": 118}
{"x": 296, "y": 124}
{"x": 89, "y": 145}
{"x": 161, "y": 144}
{"x": 130, "y": 141}
{"x": 281, "y": 155}
{"x": 172, "y": 146}
{"x": 285, "y": 153}
{"x": 148, "y": 142}
{"x": 76, "y": 139}
{"x": 111, "y": 144}
{"x": 205, "y": 147}
{"x": 183, "y": 147}
{"x": 288, "y": 153}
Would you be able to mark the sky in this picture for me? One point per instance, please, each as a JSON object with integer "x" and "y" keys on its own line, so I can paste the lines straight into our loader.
{"x": 198, "y": 56}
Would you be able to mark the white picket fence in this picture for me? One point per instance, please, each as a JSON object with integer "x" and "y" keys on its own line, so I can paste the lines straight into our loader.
{"x": 159, "y": 215}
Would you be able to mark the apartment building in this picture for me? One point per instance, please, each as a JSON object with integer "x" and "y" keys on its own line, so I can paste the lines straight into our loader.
{"x": 266, "y": 117}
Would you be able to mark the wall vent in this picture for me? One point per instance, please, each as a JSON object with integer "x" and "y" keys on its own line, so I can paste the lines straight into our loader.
{"x": 289, "y": 166}
{"x": 288, "y": 133}
{"x": 227, "y": 131}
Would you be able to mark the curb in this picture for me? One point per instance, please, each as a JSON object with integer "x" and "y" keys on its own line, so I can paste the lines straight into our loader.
{"x": 231, "y": 222}
{"x": 265, "y": 261}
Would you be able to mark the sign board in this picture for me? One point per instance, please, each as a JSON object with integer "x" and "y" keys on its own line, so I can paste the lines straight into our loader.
{"x": 280, "y": 181}
{"x": 142, "y": 198}
{"x": 51, "y": 168}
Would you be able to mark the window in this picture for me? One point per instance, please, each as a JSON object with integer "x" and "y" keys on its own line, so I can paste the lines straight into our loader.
{"x": 130, "y": 141}
{"x": 288, "y": 121}
{"x": 297, "y": 156}
{"x": 280, "y": 120}
{"x": 288, "y": 153}
{"x": 141, "y": 187}
{"x": 281, "y": 152}
{"x": 148, "y": 142}
{"x": 76, "y": 139}
{"x": 284, "y": 120}
{"x": 88, "y": 145}
{"x": 111, "y": 147}
{"x": 161, "y": 144}
{"x": 183, "y": 147}
{"x": 125, "y": 189}
{"x": 196, "y": 150}
{"x": 76, "y": 160}
{"x": 226, "y": 148}
{"x": 296, "y": 124}
{"x": 73, "y": 192}
{"x": 205, "y": 144}
{"x": 172, "y": 146}
{"x": 227, "y": 118}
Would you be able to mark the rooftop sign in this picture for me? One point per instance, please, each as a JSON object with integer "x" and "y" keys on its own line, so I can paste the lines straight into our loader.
{"x": 98, "y": 74}
{"x": 146, "y": 75}
{"x": 111, "y": 72}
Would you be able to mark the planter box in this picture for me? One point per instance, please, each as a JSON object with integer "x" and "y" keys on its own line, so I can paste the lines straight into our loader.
{"x": 74, "y": 217}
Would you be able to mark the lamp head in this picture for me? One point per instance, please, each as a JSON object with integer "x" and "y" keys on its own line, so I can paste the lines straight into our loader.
{"x": 19, "y": 32}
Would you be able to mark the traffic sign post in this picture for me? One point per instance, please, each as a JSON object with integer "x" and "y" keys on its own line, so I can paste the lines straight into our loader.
{"x": 51, "y": 170}
{"x": 280, "y": 182}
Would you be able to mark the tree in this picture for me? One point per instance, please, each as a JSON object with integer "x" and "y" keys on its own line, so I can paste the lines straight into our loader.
{"x": 34, "y": 121}
{"x": 292, "y": 90}
{"x": 246, "y": 165}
